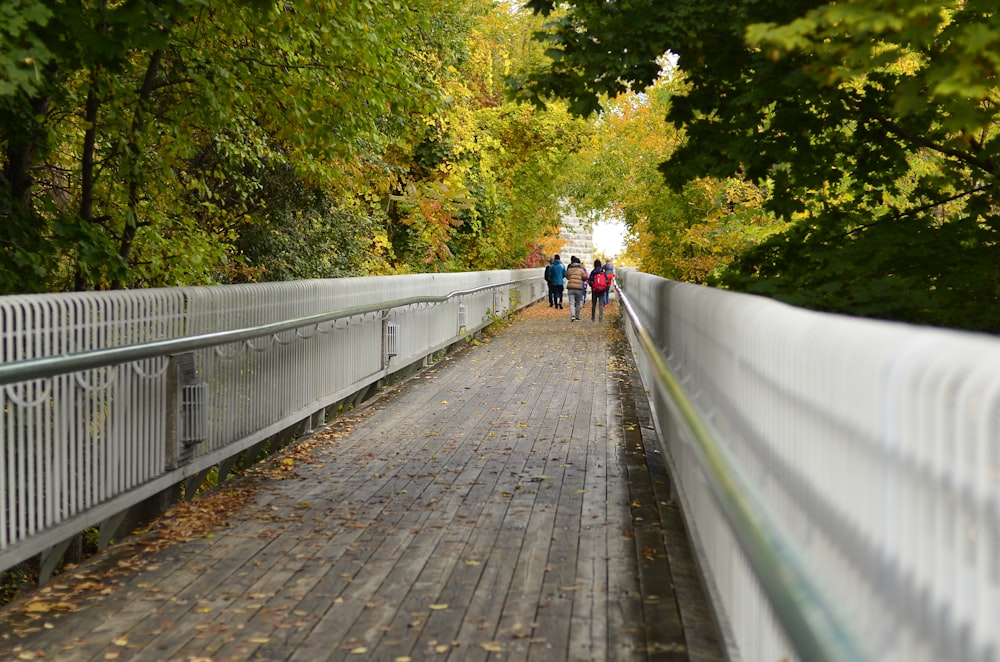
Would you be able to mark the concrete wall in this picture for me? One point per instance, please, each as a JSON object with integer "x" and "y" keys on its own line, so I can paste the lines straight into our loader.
{"x": 577, "y": 237}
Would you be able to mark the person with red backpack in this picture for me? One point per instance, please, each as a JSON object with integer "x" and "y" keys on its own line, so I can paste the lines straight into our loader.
{"x": 609, "y": 271}
{"x": 599, "y": 284}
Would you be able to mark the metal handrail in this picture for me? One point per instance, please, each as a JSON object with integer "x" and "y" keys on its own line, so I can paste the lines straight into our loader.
{"x": 814, "y": 627}
{"x": 28, "y": 369}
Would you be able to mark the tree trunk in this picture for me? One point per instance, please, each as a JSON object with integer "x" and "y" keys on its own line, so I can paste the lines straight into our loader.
{"x": 132, "y": 223}
{"x": 87, "y": 170}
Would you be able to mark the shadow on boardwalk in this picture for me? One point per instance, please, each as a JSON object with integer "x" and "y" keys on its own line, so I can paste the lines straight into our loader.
{"x": 507, "y": 503}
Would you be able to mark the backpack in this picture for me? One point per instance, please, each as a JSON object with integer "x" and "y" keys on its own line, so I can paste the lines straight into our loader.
{"x": 599, "y": 281}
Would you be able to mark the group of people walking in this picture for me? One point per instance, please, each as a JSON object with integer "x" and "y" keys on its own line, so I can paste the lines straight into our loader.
{"x": 574, "y": 280}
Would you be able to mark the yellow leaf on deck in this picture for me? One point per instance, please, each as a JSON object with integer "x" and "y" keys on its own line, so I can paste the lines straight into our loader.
{"x": 437, "y": 607}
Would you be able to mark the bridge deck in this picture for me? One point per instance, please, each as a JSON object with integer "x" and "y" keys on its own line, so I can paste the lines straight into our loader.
{"x": 506, "y": 503}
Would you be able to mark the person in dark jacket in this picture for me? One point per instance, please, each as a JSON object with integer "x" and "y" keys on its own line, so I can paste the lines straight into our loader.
{"x": 548, "y": 282}
{"x": 599, "y": 287}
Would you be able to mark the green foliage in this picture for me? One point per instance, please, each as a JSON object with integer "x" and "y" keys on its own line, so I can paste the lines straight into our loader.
{"x": 872, "y": 123}
{"x": 184, "y": 142}
{"x": 22, "y": 53}
{"x": 298, "y": 233}
{"x": 683, "y": 235}
{"x": 481, "y": 190}
{"x": 17, "y": 580}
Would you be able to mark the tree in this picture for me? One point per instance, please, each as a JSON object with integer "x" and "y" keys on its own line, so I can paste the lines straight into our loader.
{"x": 685, "y": 234}
{"x": 146, "y": 136}
{"x": 873, "y": 124}
{"x": 480, "y": 189}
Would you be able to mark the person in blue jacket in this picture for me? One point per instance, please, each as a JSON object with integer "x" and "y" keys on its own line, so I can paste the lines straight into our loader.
{"x": 557, "y": 275}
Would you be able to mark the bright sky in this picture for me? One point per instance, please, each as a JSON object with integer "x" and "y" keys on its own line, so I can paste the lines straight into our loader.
{"x": 609, "y": 237}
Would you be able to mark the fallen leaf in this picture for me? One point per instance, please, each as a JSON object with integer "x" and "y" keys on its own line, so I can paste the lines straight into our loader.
{"x": 121, "y": 641}
{"x": 45, "y": 607}
{"x": 492, "y": 646}
{"x": 438, "y": 607}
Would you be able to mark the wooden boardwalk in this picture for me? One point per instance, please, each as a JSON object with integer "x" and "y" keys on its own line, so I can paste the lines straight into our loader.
{"x": 505, "y": 504}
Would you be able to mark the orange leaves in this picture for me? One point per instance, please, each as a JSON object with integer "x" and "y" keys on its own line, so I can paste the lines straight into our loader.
{"x": 44, "y": 607}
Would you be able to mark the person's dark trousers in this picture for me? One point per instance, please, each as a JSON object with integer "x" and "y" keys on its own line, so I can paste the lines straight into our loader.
{"x": 558, "y": 293}
{"x": 596, "y": 300}
{"x": 552, "y": 295}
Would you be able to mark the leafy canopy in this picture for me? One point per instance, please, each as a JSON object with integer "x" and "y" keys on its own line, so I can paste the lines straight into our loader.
{"x": 168, "y": 142}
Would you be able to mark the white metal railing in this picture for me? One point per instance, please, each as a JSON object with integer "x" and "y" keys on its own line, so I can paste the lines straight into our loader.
{"x": 111, "y": 398}
{"x": 873, "y": 449}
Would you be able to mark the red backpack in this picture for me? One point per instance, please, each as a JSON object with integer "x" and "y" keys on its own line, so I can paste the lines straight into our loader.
{"x": 599, "y": 282}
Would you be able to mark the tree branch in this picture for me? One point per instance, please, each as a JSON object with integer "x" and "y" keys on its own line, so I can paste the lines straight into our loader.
{"x": 915, "y": 211}
{"x": 893, "y": 128}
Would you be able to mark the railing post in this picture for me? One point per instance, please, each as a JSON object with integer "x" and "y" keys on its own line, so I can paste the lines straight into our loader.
{"x": 186, "y": 410}
{"x": 390, "y": 341}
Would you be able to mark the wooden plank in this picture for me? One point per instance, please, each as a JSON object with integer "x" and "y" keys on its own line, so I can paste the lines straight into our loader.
{"x": 495, "y": 542}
